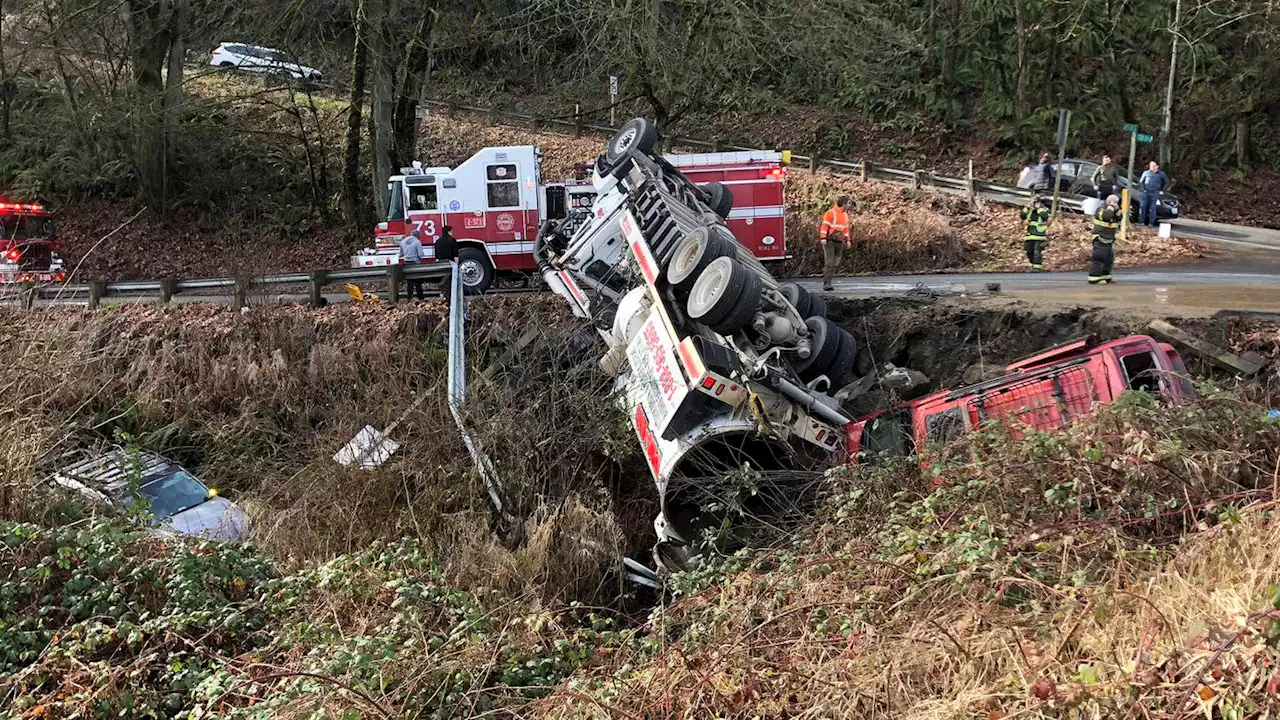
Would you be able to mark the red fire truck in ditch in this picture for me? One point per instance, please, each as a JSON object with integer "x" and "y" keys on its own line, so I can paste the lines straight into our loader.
{"x": 28, "y": 245}
{"x": 1042, "y": 392}
{"x": 496, "y": 200}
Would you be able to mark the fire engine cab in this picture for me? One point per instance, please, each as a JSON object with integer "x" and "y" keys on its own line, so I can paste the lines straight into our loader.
{"x": 28, "y": 245}
{"x": 495, "y": 202}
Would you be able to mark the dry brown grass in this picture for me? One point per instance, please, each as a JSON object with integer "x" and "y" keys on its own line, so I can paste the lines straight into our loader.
{"x": 986, "y": 599}
{"x": 258, "y": 403}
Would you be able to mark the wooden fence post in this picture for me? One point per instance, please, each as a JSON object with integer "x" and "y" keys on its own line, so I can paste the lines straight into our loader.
{"x": 813, "y": 162}
{"x": 864, "y": 169}
{"x": 97, "y": 289}
{"x": 453, "y": 108}
{"x": 973, "y": 193}
{"x": 577, "y": 120}
{"x": 168, "y": 286}
{"x": 917, "y": 179}
{"x": 29, "y": 294}
{"x": 715, "y": 144}
{"x": 395, "y": 276}
{"x": 493, "y": 115}
{"x": 240, "y": 296}
{"x": 317, "y": 284}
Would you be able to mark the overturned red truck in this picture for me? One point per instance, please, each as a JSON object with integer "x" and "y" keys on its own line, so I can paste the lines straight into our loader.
{"x": 732, "y": 380}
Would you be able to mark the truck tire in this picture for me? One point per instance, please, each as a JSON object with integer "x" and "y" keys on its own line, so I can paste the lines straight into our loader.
{"x": 842, "y": 364}
{"x": 694, "y": 253}
{"x": 475, "y": 269}
{"x": 636, "y": 135}
{"x": 745, "y": 309}
{"x": 826, "y": 338}
{"x": 719, "y": 199}
{"x": 817, "y": 306}
{"x": 723, "y": 287}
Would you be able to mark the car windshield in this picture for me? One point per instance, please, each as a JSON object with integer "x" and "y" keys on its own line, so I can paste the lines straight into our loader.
{"x": 173, "y": 493}
{"x": 26, "y": 227}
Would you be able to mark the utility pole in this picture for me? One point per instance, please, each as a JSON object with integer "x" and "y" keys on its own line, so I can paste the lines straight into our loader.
{"x": 1064, "y": 125}
{"x": 1166, "y": 130}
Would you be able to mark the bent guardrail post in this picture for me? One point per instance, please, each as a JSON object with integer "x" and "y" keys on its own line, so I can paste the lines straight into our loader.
{"x": 458, "y": 394}
{"x": 97, "y": 288}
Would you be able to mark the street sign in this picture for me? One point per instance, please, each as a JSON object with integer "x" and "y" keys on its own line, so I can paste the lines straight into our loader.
{"x": 1130, "y": 128}
{"x": 1144, "y": 138}
{"x": 420, "y": 111}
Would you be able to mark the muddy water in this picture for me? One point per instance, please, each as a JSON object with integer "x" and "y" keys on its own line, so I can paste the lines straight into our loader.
{"x": 1185, "y": 300}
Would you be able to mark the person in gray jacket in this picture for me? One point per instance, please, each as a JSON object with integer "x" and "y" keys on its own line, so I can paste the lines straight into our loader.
{"x": 1042, "y": 175}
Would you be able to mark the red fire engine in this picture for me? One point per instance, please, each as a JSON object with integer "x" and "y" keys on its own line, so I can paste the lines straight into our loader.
{"x": 495, "y": 202}
{"x": 1042, "y": 392}
{"x": 28, "y": 245}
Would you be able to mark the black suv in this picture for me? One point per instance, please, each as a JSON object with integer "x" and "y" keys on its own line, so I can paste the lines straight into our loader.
{"x": 1076, "y": 178}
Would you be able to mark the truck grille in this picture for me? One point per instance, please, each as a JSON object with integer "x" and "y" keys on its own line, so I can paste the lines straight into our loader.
{"x": 35, "y": 257}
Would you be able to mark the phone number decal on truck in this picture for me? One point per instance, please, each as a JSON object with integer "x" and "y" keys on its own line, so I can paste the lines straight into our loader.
{"x": 656, "y": 380}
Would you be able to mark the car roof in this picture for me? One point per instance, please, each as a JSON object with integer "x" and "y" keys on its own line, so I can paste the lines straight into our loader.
{"x": 117, "y": 468}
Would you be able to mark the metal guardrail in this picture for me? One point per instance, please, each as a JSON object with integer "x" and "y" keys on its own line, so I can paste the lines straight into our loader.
{"x": 240, "y": 288}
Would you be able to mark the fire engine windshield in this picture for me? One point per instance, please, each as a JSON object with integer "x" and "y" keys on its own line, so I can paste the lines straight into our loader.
{"x": 26, "y": 227}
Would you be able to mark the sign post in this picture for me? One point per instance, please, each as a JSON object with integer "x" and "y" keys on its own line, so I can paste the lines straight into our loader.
{"x": 1135, "y": 137}
{"x": 1064, "y": 126}
{"x": 613, "y": 100}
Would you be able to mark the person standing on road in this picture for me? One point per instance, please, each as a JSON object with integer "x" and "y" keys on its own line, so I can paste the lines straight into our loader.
{"x": 834, "y": 236}
{"x": 1035, "y": 231}
{"x": 1105, "y": 224}
{"x": 1042, "y": 175}
{"x": 1153, "y": 182}
{"x": 446, "y": 252}
{"x": 1104, "y": 178}
{"x": 411, "y": 254}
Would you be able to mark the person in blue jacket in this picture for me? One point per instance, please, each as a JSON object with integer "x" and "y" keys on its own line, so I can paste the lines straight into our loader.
{"x": 1152, "y": 183}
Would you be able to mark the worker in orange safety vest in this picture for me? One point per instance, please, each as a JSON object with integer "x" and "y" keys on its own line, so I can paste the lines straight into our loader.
{"x": 834, "y": 235}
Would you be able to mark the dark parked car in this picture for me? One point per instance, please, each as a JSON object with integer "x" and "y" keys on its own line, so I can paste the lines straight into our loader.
{"x": 1076, "y": 178}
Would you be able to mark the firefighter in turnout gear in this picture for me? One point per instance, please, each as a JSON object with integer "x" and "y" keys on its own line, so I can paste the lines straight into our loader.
{"x": 1035, "y": 232}
{"x": 1105, "y": 224}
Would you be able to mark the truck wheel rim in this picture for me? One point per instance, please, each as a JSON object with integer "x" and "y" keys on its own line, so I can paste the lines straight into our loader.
{"x": 471, "y": 271}
{"x": 709, "y": 288}
{"x": 624, "y": 141}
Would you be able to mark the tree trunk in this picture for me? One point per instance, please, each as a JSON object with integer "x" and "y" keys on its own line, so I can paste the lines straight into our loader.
{"x": 383, "y": 55}
{"x": 417, "y": 59}
{"x": 147, "y": 23}
{"x": 173, "y": 90}
{"x": 1020, "y": 100}
{"x": 351, "y": 194}
{"x": 6, "y": 86}
{"x": 1166, "y": 127}
{"x": 1243, "y": 143}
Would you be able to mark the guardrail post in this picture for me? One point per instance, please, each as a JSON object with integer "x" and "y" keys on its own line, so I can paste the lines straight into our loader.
{"x": 168, "y": 286}
{"x": 917, "y": 179}
{"x": 97, "y": 288}
{"x": 813, "y": 163}
{"x": 577, "y": 121}
{"x": 240, "y": 296}
{"x": 317, "y": 284}
{"x": 715, "y": 144}
{"x": 864, "y": 169}
{"x": 493, "y": 116}
{"x": 29, "y": 294}
{"x": 453, "y": 108}
{"x": 395, "y": 276}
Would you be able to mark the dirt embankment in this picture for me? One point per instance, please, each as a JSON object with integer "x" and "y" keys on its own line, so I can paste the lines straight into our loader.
{"x": 897, "y": 230}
